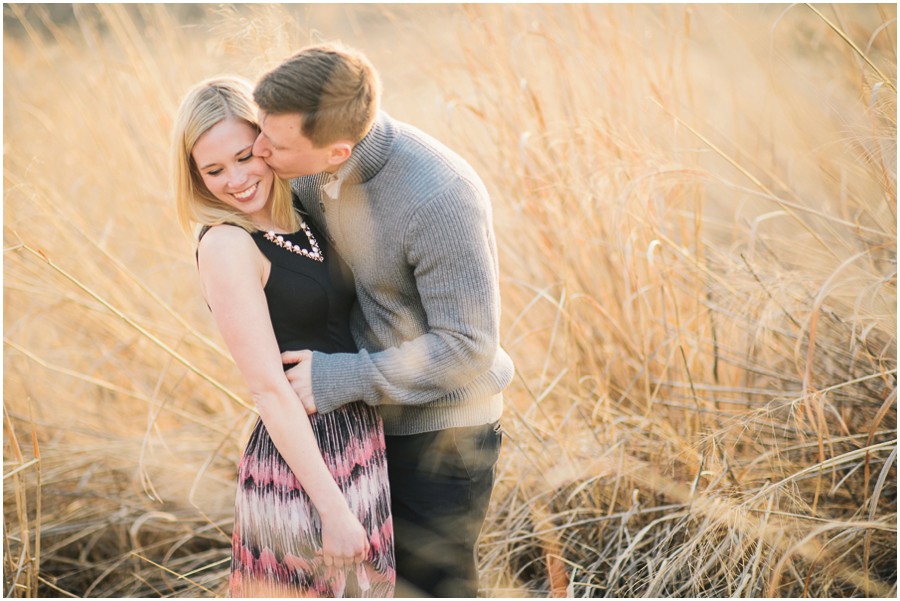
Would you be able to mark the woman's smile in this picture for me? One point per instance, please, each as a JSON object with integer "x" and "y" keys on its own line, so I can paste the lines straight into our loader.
{"x": 247, "y": 194}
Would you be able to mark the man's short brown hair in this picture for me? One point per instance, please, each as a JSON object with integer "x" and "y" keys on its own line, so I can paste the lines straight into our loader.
{"x": 335, "y": 90}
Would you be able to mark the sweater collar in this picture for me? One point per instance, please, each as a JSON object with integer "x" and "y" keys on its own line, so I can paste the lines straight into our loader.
{"x": 371, "y": 153}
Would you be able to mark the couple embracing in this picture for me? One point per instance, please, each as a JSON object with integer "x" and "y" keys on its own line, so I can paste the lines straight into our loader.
{"x": 349, "y": 262}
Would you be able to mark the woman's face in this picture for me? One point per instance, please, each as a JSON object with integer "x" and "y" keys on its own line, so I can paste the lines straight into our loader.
{"x": 224, "y": 157}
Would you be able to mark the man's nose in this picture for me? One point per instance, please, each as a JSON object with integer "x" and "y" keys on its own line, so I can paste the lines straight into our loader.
{"x": 260, "y": 148}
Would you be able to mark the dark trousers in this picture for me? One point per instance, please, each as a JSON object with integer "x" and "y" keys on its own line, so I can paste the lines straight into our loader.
{"x": 440, "y": 487}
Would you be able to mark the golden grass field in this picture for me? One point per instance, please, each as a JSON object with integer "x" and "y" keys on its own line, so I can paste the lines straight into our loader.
{"x": 696, "y": 212}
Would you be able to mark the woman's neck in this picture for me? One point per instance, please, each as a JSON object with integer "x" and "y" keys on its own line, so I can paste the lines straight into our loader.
{"x": 271, "y": 226}
{"x": 265, "y": 223}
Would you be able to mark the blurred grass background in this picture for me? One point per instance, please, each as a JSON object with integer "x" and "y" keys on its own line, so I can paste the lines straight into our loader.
{"x": 696, "y": 214}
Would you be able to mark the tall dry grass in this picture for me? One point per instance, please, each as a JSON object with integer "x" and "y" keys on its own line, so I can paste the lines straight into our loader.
{"x": 696, "y": 212}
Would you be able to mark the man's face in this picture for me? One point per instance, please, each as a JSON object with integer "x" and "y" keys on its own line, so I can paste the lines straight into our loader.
{"x": 287, "y": 151}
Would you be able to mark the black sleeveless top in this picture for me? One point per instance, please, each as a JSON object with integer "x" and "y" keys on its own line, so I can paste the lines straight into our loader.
{"x": 309, "y": 301}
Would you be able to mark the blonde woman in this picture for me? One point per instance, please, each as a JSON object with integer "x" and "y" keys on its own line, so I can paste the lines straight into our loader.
{"x": 312, "y": 514}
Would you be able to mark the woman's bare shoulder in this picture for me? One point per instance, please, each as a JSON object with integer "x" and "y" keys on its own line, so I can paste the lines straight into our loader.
{"x": 226, "y": 243}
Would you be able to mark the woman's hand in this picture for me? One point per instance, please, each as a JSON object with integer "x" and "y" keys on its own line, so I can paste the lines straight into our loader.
{"x": 344, "y": 540}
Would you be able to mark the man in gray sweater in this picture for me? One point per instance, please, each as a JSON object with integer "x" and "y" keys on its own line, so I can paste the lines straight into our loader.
{"x": 413, "y": 221}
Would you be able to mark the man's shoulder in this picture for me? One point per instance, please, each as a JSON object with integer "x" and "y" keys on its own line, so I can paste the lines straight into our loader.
{"x": 423, "y": 160}
{"x": 414, "y": 144}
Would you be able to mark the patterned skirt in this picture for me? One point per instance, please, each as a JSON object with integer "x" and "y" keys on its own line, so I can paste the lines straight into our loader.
{"x": 277, "y": 540}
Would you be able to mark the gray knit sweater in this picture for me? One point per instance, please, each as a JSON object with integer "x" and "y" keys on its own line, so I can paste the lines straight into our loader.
{"x": 413, "y": 221}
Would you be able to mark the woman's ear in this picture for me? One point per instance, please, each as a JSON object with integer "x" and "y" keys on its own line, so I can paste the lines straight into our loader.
{"x": 339, "y": 152}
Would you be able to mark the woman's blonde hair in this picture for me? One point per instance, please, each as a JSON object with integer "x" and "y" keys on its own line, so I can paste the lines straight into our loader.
{"x": 206, "y": 104}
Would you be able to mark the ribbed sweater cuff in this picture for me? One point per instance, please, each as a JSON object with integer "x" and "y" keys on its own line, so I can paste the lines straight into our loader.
{"x": 337, "y": 379}
{"x": 402, "y": 420}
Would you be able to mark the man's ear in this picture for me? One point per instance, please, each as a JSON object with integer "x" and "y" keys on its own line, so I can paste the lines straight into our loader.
{"x": 339, "y": 152}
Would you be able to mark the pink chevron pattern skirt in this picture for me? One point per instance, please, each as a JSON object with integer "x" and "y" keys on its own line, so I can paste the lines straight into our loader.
{"x": 277, "y": 536}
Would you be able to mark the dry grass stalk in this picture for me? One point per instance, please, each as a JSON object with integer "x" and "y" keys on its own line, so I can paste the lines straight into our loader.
{"x": 22, "y": 537}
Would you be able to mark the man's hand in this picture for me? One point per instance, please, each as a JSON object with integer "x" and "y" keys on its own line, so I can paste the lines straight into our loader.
{"x": 300, "y": 377}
